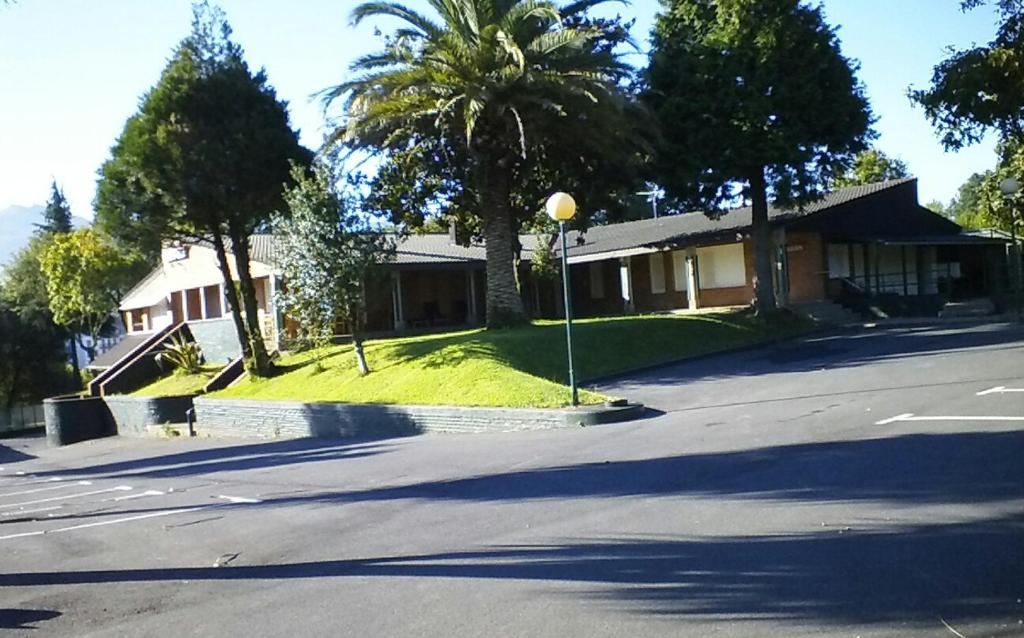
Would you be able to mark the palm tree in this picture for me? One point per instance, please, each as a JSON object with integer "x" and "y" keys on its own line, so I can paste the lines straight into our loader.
{"x": 500, "y": 78}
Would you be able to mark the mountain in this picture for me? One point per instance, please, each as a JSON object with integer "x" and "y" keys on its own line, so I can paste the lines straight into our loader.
{"x": 17, "y": 223}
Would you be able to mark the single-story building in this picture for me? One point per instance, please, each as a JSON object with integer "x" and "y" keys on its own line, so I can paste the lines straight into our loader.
{"x": 433, "y": 282}
{"x": 858, "y": 244}
{"x": 865, "y": 242}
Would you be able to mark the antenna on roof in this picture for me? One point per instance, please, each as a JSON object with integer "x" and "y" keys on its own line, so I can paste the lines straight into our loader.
{"x": 653, "y": 196}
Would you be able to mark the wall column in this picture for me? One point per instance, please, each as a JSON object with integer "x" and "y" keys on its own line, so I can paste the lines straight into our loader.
{"x": 781, "y": 268}
{"x": 692, "y": 291}
{"x": 903, "y": 259}
{"x": 867, "y": 267}
{"x": 202, "y": 302}
{"x": 626, "y": 283}
{"x": 471, "y": 317}
{"x": 396, "y": 300}
{"x": 184, "y": 306}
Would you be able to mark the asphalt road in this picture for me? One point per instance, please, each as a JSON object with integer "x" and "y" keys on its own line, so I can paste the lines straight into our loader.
{"x": 852, "y": 484}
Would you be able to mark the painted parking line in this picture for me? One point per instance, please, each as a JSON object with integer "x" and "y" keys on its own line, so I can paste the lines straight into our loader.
{"x": 998, "y": 390}
{"x": 32, "y": 511}
{"x": 116, "y": 521}
{"x": 238, "y": 499}
{"x": 912, "y": 417}
{"x": 62, "y": 486}
{"x": 119, "y": 488}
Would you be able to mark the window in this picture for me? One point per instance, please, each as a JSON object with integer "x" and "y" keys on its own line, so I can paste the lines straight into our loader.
{"x": 211, "y": 296}
{"x": 193, "y": 304}
{"x": 722, "y": 266}
{"x": 838, "y": 260}
{"x": 657, "y": 268}
{"x": 679, "y": 270}
{"x": 596, "y": 280}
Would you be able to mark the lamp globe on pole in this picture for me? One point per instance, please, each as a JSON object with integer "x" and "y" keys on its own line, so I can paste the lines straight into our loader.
{"x": 1009, "y": 186}
{"x": 562, "y": 207}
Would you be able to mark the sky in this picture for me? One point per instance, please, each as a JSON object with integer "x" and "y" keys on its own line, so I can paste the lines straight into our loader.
{"x": 72, "y": 72}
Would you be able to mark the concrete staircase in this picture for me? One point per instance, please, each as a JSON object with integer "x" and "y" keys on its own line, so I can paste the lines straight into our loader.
{"x": 827, "y": 312}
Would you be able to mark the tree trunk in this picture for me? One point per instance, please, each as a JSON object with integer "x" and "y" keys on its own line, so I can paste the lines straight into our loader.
{"x": 75, "y": 370}
{"x": 259, "y": 364}
{"x": 764, "y": 297}
{"x": 357, "y": 347}
{"x": 232, "y": 294}
{"x": 504, "y": 305}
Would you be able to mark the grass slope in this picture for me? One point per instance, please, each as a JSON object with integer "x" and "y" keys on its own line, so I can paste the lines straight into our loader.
{"x": 525, "y": 367}
{"x": 176, "y": 384}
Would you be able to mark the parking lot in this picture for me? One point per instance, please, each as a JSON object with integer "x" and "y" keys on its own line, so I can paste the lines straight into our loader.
{"x": 865, "y": 483}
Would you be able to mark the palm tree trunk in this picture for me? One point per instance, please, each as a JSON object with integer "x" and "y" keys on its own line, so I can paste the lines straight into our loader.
{"x": 764, "y": 297}
{"x": 259, "y": 364}
{"x": 504, "y": 305}
{"x": 232, "y": 293}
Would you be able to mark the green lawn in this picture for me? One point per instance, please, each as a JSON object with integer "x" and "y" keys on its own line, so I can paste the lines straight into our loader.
{"x": 176, "y": 384}
{"x": 524, "y": 367}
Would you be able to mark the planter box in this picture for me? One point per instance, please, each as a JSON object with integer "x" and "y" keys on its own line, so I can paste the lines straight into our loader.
{"x": 74, "y": 419}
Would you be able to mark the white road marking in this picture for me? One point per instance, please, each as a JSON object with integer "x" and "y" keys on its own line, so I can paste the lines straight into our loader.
{"x": 901, "y": 417}
{"x": 139, "y": 495}
{"x": 238, "y": 499}
{"x": 911, "y": 417}
{"x": 33, "y": 511}
{"x": 119, "y": 488}
{"x": 115, "y": 521}
{"x": 45, "y": 489}
{"x": 999, "y": 389}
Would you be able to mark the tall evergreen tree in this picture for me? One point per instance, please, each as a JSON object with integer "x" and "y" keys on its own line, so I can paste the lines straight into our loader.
{"x": 57, "y": 214}
{"x": 755, "y": 100}
{"x": 206, "y": 158}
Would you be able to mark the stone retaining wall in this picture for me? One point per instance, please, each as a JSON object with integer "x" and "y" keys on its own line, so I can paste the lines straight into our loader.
{"x": 133, "y": 415}
{"x": 266, "y": 419}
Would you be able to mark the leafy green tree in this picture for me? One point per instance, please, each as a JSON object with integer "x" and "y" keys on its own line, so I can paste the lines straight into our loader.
{"x": 754, "y": 98}
{"x": 981, "y": 89}
{"x": 57, "y": 214}
{"x": 968, "y": 206}
{"x": 205, "y": 159}
{"x": 329, "y": 255}
{"x": 86, "y": 276}
{"x": 491, "y": 89}
{"x": 31, "y": 358}
{"x": 873, "y": 166}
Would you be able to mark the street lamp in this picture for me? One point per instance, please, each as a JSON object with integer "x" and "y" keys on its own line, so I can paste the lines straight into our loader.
{"x": 561, "y": 207}
{"x": 1010, "y": 187}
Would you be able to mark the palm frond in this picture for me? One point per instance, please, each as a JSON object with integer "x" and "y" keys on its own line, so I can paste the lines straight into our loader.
{"x": 395, "y": 10}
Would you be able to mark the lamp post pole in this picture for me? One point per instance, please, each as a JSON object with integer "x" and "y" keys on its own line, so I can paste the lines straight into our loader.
{"x": 568, "y": 316}
{"x": 1011, "y": 188}
{"x": 561, "y": 207}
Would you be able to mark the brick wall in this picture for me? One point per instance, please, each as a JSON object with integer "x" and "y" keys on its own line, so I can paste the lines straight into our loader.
{"x": 808, "y": 266}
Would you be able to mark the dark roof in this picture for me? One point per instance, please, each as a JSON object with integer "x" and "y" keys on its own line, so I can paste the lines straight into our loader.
{"x": 426, "y": 249}
{"x": 122, "y": 348}
{"x": 695, "y": 227}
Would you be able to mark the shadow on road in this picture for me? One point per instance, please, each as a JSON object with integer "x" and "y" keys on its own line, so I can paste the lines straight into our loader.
{"x": 25, "y": 618}
{"x": 976, "y": 467}
{"x": 229, "y": 459}
{"x": 11, "y": 455}
{"x": 961, "y": 570}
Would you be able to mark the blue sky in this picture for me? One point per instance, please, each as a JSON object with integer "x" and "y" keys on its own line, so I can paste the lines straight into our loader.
{"x": 73, "y": 70}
